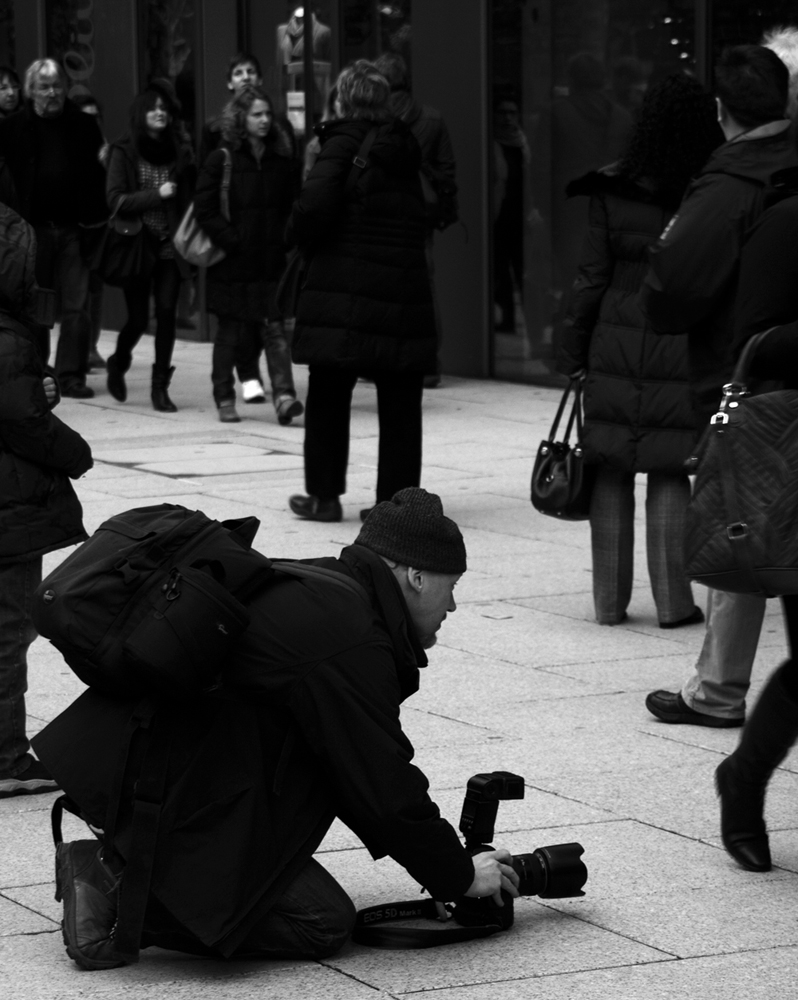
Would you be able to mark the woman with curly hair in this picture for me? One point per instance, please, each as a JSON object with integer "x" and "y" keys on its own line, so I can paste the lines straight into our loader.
{"x": 150, "y": 178}
{"x": 638, "y": 408}
{"x": 241, "y": 288}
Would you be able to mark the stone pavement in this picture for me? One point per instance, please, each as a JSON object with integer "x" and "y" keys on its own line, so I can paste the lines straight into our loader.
{"x": 521, "y": 680}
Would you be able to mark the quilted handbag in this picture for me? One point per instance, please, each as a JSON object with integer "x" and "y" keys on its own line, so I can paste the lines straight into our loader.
{"x": 190, "y": 239}
{"x": 742, "y": 521}
{"x": 561, "y": 481}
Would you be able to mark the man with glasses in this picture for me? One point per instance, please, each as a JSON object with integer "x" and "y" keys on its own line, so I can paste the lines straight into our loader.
{"x": 52, "y": 152}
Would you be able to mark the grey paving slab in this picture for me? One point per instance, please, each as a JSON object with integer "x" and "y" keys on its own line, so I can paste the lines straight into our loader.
{"x": 198, "y": 467}
{"x": 16, "y": 919}
{"x": 757, "y": 975}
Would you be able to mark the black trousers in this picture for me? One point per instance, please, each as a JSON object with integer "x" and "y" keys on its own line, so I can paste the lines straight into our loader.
{"x": 327, "y": 412}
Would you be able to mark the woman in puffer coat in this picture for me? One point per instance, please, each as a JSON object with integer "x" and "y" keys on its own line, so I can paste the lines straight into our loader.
{"x": 366, "y": 306}
{"x": 638, "y": 409}
{"x": 241, "y": 288}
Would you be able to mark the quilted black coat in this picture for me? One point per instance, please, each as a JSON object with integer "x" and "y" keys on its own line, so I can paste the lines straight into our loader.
{"x": 260, "y": 201}
{"x": 366, "y": 304}
{"x": 39, "y": 510}
{"x": 638, "y": 408}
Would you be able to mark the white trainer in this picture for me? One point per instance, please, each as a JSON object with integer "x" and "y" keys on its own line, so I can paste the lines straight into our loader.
{"x": 252, "y": 391}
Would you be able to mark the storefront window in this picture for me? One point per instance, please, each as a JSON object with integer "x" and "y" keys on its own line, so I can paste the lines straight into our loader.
{"x": 168, "y": 46}
{"x": 7, "y": 40}
{"x": 568, "y": 78}
{"x": 372, "y": 27}
{"x": 70, "y": 40}
{"x": 291, "y": 63}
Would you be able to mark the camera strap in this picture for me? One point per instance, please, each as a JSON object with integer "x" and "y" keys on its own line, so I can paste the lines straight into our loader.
{"x": 366, "y": 931}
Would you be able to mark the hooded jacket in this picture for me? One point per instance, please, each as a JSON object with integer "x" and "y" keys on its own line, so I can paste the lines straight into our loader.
{"x": 306, "y": 729}
{"x": 638, "y": 409}
{"x": 692, "y": 281}
{"x": 39, "y": 510}
{"x": 366, "y": 303}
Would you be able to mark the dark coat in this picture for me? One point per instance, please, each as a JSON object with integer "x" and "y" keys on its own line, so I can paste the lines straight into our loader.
{"x": 260, "y": 201}
{"x": 638, "y": 409}
{"x": 307, "y": 729}
{"x": 39, "y": 510}
{"x": 692, "y": 282}
{"x": 366, "y": 304}
{"x": 86, "y": 174}
{"x": 124, "y": 193}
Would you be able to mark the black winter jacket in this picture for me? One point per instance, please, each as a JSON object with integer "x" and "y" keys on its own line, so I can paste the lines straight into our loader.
{"x": 307, "y": 729}
{"x": 261, "y": 195}
{"x": 39, "y": 511}
{"x": 638, "y": 409}
{"x": 124, "y": 193}
{"x": 692, "y": 282}
{"x": 366, "y": 304}
{"x": 86, "y": 175}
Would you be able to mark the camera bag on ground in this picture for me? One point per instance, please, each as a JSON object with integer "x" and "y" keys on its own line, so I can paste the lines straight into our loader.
{"x": 148, "y": 608}
{"x": 742, "y": 521}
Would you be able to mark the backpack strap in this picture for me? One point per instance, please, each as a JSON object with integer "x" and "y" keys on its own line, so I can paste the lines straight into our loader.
{"x": 360, "y": 161}
{"x": 263, "y": 577}
{"x": 395, "y": 938}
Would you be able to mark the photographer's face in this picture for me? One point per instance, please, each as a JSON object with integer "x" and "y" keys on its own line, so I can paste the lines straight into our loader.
{"x": 430, "y": 597}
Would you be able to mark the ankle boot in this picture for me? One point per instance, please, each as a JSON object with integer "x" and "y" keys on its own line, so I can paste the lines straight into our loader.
{"x": 116, "y": 379}
{"x": 161, "y": 377}
{"x": 741, "y": 779}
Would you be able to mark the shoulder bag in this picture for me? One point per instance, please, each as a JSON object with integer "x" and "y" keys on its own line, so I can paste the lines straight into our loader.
{"x": 124, "y": 251}
{"x": 742, "y": 521}
{"x": 296, "y": 267}
{"x": 190, "y": 240}
{"x": 562, "y": 483}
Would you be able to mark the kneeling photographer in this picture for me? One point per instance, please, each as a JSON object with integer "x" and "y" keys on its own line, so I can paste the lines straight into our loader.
{"x": 305, "y": 728}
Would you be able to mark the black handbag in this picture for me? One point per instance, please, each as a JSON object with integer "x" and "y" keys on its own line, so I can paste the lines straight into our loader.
{"x": 562, "y": 483}
{"x": 125, "y": 251}
{"x": 741, "y": 533}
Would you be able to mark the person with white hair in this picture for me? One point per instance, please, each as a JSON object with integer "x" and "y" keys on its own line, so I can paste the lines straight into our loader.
{"x": 51, "y": 150}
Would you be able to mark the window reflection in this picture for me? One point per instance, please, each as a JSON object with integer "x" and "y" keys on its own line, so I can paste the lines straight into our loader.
{"x": 569, "y": 77}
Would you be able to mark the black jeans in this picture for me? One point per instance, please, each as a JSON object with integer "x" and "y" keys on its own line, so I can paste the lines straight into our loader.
{"x": 164, "y": 284}
{"x": 327, "y": 412}
{"x": 59, "y": 265}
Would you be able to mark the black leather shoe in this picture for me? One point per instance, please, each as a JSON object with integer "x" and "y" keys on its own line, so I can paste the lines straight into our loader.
{"x": 692, "y": 619}
{"x": 669, "y": 706}
{"x": 313, "y": 509}
{"x": 77, "y": 390}
{"x": 742, "y": 824}
{"x": 115, "y": 379}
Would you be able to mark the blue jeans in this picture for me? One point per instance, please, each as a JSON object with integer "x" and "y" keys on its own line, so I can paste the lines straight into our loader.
{"x": 59, "y": 265}
{"x": 17, "y": 584}
{"x": 612, "y": 512}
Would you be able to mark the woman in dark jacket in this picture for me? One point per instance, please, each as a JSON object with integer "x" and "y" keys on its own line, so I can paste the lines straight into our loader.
{"x": 151, "y": 178}
{"x": 767, "y": 294}
{"x": 241, "y": 288}
{"x": 366, "y": 304}
{"x": 638, "y": 409}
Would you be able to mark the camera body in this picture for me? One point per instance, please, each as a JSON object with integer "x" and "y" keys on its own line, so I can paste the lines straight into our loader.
{"x": 552, "y": 872}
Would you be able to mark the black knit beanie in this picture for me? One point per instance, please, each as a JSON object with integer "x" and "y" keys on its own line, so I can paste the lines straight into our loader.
{"x": 412, "y": 529}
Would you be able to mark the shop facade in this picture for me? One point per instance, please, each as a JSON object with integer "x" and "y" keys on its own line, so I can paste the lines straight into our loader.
{"x": 534, "y": 92}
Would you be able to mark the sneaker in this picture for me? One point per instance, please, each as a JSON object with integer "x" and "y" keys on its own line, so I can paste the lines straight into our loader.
{"x": 252, "y": 391}
{"x": 313, "y": 509}
{"x": 287, "y": 408}
{"x": 33, "y": 780}
{"x": 669, "y": 706}
{"x": 228, "y": 414}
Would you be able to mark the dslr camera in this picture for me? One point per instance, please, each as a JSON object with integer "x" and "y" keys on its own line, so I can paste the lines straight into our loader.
{"x": 553, "y": 872}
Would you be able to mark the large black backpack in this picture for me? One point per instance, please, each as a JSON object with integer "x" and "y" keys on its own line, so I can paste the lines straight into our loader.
{"x": 154, "y": 601}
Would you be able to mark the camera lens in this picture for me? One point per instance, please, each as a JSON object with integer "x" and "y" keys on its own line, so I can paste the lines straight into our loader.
{"x": 531, "y": 873}
{"x": 564, "y": 869}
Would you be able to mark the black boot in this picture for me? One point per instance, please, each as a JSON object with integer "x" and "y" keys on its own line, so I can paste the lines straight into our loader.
{"x": 741, "y": 779}
{"x": 161, "y": 377}
{"x": 116, "y": 379}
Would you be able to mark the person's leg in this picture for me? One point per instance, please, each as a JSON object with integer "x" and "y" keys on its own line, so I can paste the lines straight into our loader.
{"x": 95, "y": 311}
{"x": 18, "y": 581}
{"x": 45, "y": 278}
{"x": 166, "y": 290}
{"x": 137, "y": 302}
{"x": 723, "y": 671}
{"x": 399, "y": 409}
{"x": 329, "y": 402}
{"x": 72, "y": 286}
{"x": 667, "y": 497}
{"x": 768, "y": 735}
{"x": 277, "y": 344}
{"x": 225, "y": 352}
{"x": 612, "y": 518}
{"x": 312, "y": 919}
{"x": 249, "y": 348}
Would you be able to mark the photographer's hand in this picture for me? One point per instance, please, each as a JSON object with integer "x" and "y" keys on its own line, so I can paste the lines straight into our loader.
{"x": 492, "y": 873}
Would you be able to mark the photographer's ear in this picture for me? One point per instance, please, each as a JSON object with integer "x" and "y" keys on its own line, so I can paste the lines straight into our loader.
{"x": 415, "y": 579}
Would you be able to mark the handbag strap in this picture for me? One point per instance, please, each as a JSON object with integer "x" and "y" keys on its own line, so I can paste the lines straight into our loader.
{"x": 360, "y": 160}
{"x": 575, "y": 414}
